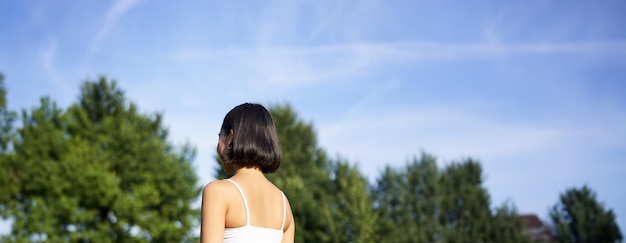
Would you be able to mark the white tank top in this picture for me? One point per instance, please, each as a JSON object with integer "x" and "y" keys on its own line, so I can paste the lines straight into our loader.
{"x": 249, "y": 233}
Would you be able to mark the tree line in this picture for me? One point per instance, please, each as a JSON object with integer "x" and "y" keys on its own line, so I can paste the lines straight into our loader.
{"x": 101, "y": 171}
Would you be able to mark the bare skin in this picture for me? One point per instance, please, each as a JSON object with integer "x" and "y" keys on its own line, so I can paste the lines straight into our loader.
{"x": 223, "y": 207}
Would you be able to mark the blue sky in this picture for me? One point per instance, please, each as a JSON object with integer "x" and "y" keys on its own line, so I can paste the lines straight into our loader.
{"x": 535, "y": 90}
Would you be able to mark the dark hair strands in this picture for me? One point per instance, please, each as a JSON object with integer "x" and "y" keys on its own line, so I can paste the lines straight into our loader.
{"x": 255, "y": 140}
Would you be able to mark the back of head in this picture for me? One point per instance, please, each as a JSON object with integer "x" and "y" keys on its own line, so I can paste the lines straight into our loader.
{"x": 255, "y": 141}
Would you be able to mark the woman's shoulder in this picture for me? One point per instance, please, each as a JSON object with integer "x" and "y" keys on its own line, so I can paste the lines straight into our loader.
{"x": 217, "y": 187}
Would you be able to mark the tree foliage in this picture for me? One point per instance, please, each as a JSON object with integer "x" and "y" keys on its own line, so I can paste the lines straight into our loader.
{"x": 101, "y": 171}
{"x": 422, "y": 203}
{"x": 351, "y": 205}
{"x": 8, "y": 187}
{"x": 579, "y": 217}
{"x": 97, "y": 171}
{"x": 465, "y": 204}
{"x": 408, "y": 202}
{"x": 7, "y": 118}
{"x": 506, "y": 226}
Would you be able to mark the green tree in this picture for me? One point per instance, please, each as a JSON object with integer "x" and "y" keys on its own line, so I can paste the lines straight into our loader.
{"x": 303, "y": 175}
{"x": 388, "y": 193}
{"x": 579, "y": 217}
{"x": 465, "y": 203}
{"x": 506, "y": 226}
{"x": 98, "y": 171}
{"x": 319, "y": 187}
{"x": 8, "y": 186}
{"x": 351, "y": 207}
{"x": 7, "y": 117}
{"x": 421, "y": 203}
{"x": 407, "y": 202}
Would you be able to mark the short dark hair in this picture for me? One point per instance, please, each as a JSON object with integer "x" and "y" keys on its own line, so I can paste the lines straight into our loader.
{"x": 255, "y": 140}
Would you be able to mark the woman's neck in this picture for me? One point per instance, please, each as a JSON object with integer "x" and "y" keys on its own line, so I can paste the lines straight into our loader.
{"x": 248, "y": 171}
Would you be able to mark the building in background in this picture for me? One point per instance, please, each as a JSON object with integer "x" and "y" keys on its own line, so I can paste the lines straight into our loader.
{"x": 537, "y": 230}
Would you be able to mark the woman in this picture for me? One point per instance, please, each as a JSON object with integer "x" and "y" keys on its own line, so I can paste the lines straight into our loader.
{"x": 247, "y": 207}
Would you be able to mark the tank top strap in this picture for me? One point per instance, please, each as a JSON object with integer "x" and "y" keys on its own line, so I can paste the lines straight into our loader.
{"x": 282, "y": 227}
{"x": 245, "y": 202}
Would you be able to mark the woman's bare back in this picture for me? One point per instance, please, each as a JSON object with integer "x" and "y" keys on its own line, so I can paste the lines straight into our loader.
{"x": 265, "y": 202}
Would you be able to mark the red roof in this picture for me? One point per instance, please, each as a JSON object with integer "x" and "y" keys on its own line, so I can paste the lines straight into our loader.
{"x": 537, "y": 231}
{"x": 531, "y": 220}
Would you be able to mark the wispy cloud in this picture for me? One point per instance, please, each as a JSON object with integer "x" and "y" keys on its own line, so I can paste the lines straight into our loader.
{"x": 327, "y": 14}
{"x": 48, "y": 62}
{"x": 451, "y": 134}
{"x": 410, "y": 50}
{"x": 445, "y": 131}
{"x": 303, "y": 65}
{"x": 381, "y": 80}
{"x": 119, "y": 9}
{"x": 47, "y": 59}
